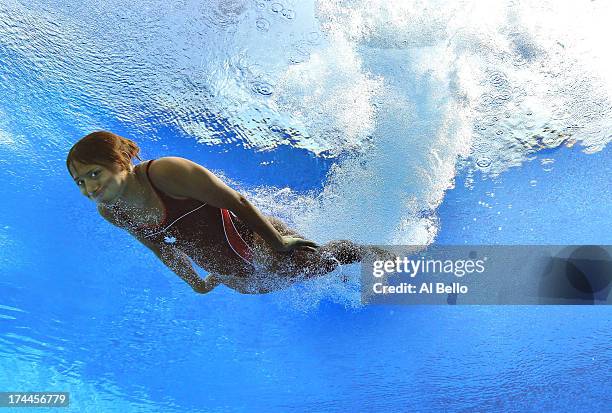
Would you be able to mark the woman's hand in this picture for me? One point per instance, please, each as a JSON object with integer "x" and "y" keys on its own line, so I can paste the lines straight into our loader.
{"x": 290, "y": 243}
{"x": 206, "y": 285}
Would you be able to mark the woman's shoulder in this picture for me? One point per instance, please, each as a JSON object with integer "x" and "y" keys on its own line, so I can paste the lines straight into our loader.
{"x": 166, "y": 166}
{"x": 166, "y": 174}
{"x": 169, "y": 161}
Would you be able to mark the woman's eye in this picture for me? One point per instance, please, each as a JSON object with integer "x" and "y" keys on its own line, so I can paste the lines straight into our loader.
{"x": 93, "y": 174}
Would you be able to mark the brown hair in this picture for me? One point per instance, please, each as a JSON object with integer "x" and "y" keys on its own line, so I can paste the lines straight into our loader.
{"x": 103, "y": 148}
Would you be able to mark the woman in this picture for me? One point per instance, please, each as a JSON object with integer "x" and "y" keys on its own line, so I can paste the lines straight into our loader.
{"x": 180, "y": 210}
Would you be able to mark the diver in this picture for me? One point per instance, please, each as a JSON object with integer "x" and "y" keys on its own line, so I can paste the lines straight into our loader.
{"x": 182, "y": 211}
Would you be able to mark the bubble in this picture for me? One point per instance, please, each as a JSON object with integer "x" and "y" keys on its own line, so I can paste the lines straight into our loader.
{"x": 503, "y": 96}
{"x": 296, "y": 58}
{"x": 493, "y": 102}
{"x": 262, "y": 24}
{"x": 533, "y": 182}
{"x": 289, "y": 14}
{"x": 490, "y": 120}
{"x": 483, "y": 162}
{"x": 549, "y": 140}
{"x": 276, "y": 7}
{"x": 547, "y": 164}
{"x": 497, "y": 79}
{"x": 313, "y": 38}
{"x": 262, "y": 87}
{"x": 486, "y": 99}
{"x": 224, "y": 13}
{"x": 518, "y": 60}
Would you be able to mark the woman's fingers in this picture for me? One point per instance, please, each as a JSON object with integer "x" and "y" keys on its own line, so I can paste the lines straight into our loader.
{"x": 301, "y": 242}
{"x": 308, "y": 246}
{"x": 295, "y": 243}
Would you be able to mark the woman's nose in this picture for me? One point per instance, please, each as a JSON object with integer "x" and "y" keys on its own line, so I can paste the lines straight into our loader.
{"x": 91, "y": 188}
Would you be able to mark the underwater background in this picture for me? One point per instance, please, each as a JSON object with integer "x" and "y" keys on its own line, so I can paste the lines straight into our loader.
{"x": 383, "y": 122}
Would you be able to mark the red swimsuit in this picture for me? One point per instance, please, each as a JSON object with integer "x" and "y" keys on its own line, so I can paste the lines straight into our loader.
{"x": 187, "y": 221}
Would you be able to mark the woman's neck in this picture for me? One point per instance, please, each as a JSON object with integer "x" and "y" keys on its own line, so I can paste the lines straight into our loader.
{"x": 134, "y": 194}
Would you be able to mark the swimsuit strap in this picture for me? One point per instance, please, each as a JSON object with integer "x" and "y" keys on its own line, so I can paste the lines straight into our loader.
{"x": 235, "y": 241}
{"x": 157, "y": 191}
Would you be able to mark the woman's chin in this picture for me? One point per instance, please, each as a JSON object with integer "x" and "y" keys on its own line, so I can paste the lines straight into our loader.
{"x": 104, "y": 200}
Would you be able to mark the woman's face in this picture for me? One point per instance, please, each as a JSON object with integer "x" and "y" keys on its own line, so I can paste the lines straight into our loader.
{"x": 99, "y": 183}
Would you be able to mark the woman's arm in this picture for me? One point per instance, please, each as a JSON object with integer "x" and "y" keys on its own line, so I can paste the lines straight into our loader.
{"x": 180, "y": 264}
{"x": 183, "y": 178}
{"x": 174, "y": 259}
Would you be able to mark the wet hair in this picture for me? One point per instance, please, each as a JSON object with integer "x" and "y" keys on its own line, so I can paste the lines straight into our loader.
{"x": 103, "y": 148}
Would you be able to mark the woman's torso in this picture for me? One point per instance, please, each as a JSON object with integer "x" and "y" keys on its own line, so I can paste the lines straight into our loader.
{"x": 213, "y": 238}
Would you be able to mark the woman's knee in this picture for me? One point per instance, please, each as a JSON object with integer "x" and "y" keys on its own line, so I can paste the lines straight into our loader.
{"x": 346, "y": 252}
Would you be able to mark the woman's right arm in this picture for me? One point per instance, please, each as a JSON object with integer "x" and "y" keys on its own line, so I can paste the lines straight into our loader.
{"x": 180, "y": 264}
{"x": 174, "y": 259}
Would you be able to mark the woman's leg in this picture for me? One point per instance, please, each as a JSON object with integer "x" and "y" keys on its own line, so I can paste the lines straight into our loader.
{"x": 306, "y": 263}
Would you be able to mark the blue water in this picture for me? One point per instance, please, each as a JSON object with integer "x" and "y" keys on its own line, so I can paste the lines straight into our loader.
{"x": 86, "y": 309}
{"x": 566, "y": 200}
{"x": 131, "y": 337}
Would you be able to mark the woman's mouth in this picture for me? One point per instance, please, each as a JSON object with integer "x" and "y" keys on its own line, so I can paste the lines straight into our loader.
{"x": 98, "y": 194}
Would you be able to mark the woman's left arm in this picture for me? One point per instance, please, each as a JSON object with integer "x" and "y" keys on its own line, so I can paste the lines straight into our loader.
{"x": 183, "y": 178}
